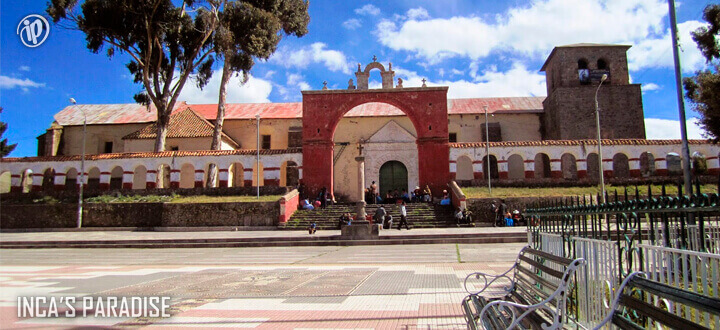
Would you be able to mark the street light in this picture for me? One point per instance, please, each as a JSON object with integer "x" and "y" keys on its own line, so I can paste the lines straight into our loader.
{"x": 487, "y": 150}
{"x": 257, "y": 175}
{"x": 597, "y": 122}
{"x": 82, "y": 166}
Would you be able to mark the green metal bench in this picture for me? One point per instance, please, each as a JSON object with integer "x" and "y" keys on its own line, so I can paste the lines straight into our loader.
{"x": 643, "y": 304}
{"x": 534, "y": 298}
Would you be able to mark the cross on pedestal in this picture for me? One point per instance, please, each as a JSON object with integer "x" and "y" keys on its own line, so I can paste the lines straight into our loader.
{"x": 374, "y": 58}
{"x": 360, "y": 147}
{"x": 423, "y": 80}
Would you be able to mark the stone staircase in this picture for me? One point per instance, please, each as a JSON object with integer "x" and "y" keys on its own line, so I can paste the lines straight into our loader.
{"x": 420, "y": 215}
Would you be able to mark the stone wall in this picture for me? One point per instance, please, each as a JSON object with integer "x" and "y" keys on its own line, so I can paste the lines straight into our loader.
{"x": 146, "y": 215}
{"x": 482, "y": 211}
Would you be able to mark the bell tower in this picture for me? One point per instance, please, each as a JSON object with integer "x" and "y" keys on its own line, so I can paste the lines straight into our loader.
{"x": 573, "y": 74}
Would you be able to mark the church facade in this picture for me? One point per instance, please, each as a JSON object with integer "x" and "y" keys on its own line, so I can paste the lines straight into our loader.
{"x": 398, "y": 136}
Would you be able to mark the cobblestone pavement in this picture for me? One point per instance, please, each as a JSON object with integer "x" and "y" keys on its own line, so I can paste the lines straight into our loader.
{"x": 368, "y": 287}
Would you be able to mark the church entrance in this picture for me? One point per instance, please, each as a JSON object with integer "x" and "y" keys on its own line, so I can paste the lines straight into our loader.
{"x": 393, "y": 176}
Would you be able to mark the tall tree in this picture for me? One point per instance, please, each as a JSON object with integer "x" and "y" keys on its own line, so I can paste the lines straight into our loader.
{"x": 251, "y": 29}
{"x": 5, "y": 148}
{"x": 703, "y": 89}
{"x": 165, "y": 43}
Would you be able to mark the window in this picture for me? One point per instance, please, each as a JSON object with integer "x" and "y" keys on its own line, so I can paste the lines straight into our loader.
{"x": 108, "y": 147}
{"x": 453, "y": 137}
{"x": 174, "y": 148}
{"x": 582, "y": 64}
{"x": 266, "y": 142}
{"x": 495, "y": 134}
{"x": 295, "y": 137}
{"x": 602, "y": 65}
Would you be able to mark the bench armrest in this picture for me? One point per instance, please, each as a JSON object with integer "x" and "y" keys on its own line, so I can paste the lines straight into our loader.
{"x": 513, "y": 308}
{"x": 616, "y": 299}
{"x": 489, "y": 279}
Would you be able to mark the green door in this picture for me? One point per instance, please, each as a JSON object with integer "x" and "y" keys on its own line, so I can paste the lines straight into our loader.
{"x": 393, "y": 175}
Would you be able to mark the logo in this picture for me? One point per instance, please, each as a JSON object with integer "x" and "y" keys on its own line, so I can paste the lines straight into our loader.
{"x": 33, "y": 30}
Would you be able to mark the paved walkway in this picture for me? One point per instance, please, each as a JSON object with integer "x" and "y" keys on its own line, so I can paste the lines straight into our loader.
{"x": 369, "y": 287}
{"x": 189, "y": 234}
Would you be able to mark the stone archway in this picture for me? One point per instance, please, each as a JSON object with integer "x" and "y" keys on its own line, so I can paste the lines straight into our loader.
{"x": 426, "y": 107}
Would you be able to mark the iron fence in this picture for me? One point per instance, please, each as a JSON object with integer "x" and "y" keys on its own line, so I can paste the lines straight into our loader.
{"x": 674, "y": 239}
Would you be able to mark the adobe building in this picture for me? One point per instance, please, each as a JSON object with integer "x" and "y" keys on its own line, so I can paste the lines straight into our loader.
{"x": 398, "y": 136}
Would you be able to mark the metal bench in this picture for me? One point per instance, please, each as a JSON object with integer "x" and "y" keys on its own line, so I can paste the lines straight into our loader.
{"x": 535, "y": 297}
{"x": 643, "y": 304}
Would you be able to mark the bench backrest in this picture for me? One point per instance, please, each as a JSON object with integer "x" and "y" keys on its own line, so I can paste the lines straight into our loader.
{"x": 539, "y": 274}
{"x": 641, "y": 302}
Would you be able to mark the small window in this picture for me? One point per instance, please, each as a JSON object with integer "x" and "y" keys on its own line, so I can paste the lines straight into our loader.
{"x": 602, "y": 65}
{"x": 494, "y": 132}
{"x": 174, "y": 148}
{"x": 582, "y": 64}
{"x": 266, "y": 142}
{"x": 295, "y": 137}
{"x": 108, "y": 147}
{"x": 453, "y": 137}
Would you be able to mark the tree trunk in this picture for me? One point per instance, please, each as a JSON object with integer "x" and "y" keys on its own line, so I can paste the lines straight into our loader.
{"x": 162, "y": 124}
{"x": 217, "y": 133}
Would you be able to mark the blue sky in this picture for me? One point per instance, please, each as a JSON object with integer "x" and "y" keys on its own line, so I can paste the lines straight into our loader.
{"x": 478, "y": 48}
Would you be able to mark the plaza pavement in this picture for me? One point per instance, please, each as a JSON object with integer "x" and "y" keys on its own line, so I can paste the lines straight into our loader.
{"x": 320, "y": 287}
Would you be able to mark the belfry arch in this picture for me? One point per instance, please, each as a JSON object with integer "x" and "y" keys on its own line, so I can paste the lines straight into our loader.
{"x": 426, "y": 107}
{"x": 363, "y": 76}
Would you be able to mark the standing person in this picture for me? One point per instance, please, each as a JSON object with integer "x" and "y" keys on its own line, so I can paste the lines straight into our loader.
{"x": 380, "y": 214}
{"x": 503, "y": 209}
{"x": 403, "y": 217}
{"x": 374, "y": 191}
{"x": 322, "y": 197}
{"x": 495, "y": 215}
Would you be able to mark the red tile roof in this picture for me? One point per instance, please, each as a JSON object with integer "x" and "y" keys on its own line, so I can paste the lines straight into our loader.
{"x": 152, "y": 155}
{"x": 605, "y": 142}
{"x": 183, "y": 124}
{"x": 109, "y": 113}
{"x": 134, "y": 113}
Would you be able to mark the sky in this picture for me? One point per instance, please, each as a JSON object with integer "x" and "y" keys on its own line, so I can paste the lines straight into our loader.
{"x": 478, "y": 48}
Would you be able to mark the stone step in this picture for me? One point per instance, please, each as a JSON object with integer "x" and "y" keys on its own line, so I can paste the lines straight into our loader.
{"x": 465, "y": 238}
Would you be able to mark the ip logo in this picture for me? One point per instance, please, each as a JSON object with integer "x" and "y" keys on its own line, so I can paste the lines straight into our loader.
{"x": 33, "y": 30}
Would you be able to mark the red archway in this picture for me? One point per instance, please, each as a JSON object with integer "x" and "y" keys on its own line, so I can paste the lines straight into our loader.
{"x": 426, "y": 107}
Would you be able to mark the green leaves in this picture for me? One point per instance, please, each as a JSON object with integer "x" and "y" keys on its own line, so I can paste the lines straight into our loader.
{"x": 703, "y": 89}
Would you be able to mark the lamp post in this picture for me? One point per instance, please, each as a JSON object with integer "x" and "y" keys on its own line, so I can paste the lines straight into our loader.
{"x": 257, "y": 175}
{"x": 597, "y": 122}
{"x": 487, "y": 150}
{"x": 82, "y": 166}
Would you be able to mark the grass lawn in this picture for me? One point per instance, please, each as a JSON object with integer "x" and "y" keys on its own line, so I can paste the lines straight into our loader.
{"x": 503, "y": 192}
{"x": 180, "y": 199}
{"x": 224, "y": 199}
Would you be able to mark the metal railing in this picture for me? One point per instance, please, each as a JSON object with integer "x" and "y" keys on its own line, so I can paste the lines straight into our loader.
{"x": 674, "y": 239}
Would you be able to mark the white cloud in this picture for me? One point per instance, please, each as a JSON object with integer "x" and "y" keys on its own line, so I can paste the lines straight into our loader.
{"x": 650, "y": 87}
{"x": 24, "y": 68}
{"x": 316, "y": 53}
{"x": 417, "y": 13}
{"x": 256, "y": 90}
{"x": 517, "y": 81}
{"x": 368, "y": 10}
{"x": 352, "y": 24}
{"x": 297, "y": 82}
{"x": 10, "y": 83}
{"x": 533, "y": 30}
{"x": 670, "y": 129}
{"x": 657, "y": 52}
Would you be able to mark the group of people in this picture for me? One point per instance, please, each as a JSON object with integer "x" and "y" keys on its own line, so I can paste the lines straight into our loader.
{"x": 503, "y": 217}
{"x": 385, "y": 220}
{"x": 464, "y": 216}
{"x": 373, "y": 195}
{"x": 324, "y": 198}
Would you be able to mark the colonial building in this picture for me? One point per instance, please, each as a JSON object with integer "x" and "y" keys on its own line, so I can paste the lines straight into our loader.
{"x": 399, "y": 136}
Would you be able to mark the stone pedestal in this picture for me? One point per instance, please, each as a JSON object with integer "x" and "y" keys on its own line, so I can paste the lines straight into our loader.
{"x": 360, "y": 230}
